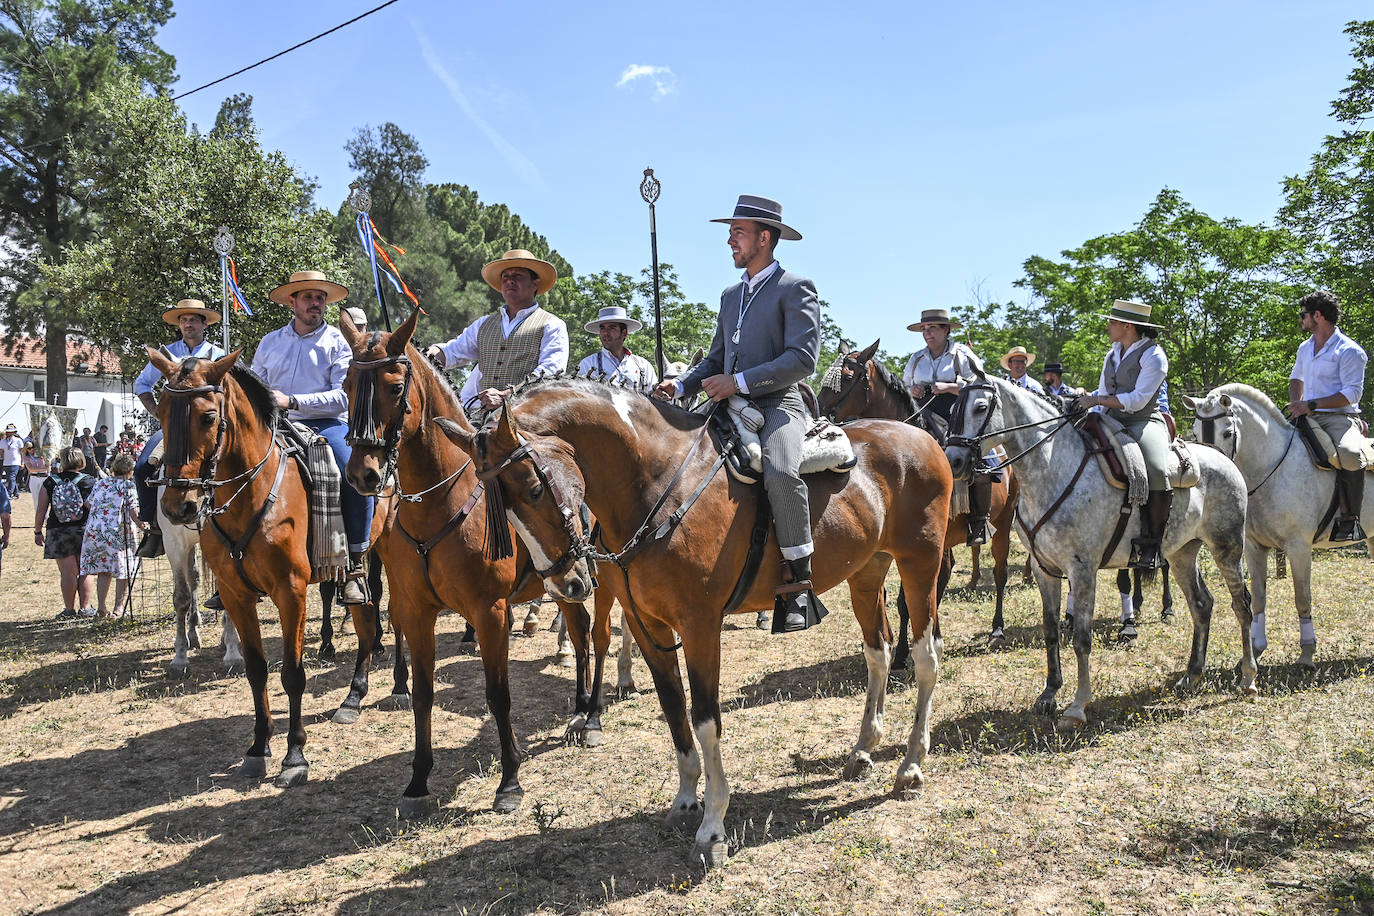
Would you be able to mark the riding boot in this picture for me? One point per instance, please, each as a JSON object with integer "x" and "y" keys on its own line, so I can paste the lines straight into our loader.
{"x": 1145, "y": 550}
{"x": 795, "y": 605}
{"x": 213, "y": 603}
{"x": 1350, "y": 487}
{"x": 354, "y": 590}
{"x": 979, "y": 504}
{"x": 151, "y": 544}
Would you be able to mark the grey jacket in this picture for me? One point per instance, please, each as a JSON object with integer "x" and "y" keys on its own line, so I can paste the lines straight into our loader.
{"x": 780, "y": 339}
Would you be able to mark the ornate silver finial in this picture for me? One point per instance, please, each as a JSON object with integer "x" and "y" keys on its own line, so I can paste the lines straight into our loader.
{"x": 358, "y": 199}
{"x": 224, "y": 241}
{"x": 649, "y": 187}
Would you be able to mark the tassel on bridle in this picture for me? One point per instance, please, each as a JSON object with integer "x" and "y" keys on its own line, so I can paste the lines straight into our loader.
{"x": 176, "y": 448}
{"x": 498, "y": 545}
{"x": 363, "y": 422}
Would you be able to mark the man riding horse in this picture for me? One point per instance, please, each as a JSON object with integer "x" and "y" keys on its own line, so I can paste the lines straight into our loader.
{"x": 1325, "y": 387}
{"x": 773, "y": 342}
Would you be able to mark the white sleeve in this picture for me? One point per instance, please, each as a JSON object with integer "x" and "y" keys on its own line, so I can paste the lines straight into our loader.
{"x": 553, "y": 349}
{"x": 463, "y": 348}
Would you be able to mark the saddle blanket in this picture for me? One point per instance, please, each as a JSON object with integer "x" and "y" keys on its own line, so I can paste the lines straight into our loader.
{"x": 825, "y": 447}
{"x": 328, "y": 545}
{"x": 1121, "y": 461}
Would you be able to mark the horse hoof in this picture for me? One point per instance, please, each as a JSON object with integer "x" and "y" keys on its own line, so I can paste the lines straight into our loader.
{"x": 1044, "y": 707}
{"x": 683, "y": 819}
{"x": 908, "y": 783}
{"x": 507, "y": 802}
{"x": 627, "y": 692}
{"x": 290, "y": 777}
{"x": 531, "y": 626}
{"x": 858, "y": 766}
{"x": 1186, "y": 684}
{"x": 233, "y": 669}
{"x": 565, "y": 660}
{"x": 1069, "y": 722}
{"x": 1166, "y": 615}
{"x": 1128, "y": 634}
{"x": 254, "y": 767}
{"x": 713, "y": 853}
{"x": 1306, "y": 660}
{"x": 326, "y": 655}
{"x": 1249, "y": 692}
{"x": 468, "y": 647}
{"x": 399, "y": 701}
{"x": 415, "y": 808}
{"x": 178, "y": 668}
{"x": 346, "y": 715}
{"x": 997, "y": 641}
{"x": 593, "y": 737}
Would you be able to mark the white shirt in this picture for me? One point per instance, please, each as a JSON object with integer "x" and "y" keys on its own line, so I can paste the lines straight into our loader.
{"x": 10, "y": 450}
{"x": 1154, "y": 365}
{"x": 634, "y": 371}
{"x": 1338, "y": 368}
{"x": 147, "y": 379}
{"x": 1027, "y": 383}
{"x": 553, "y": 348}
{"x": 924, "y": 369}
{"x": 309, "y": 367}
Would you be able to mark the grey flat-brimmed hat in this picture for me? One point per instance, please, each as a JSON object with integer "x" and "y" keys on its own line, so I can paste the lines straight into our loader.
{"x": 935, "y": 316}
{"x": 617, "y": 314}
{"x": 1131, "y": 313}
{"x": 761, "y": 210}
{"x": 1056, "y": 368}
{"x": 357, "y": 315}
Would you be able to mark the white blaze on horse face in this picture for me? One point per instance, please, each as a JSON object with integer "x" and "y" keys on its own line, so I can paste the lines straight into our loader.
{"x": 535, "y": 548}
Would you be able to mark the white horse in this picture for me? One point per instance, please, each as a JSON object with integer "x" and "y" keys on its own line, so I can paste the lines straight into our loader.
{"x": 1290, "y": 499}
{"x": 180, "y": 543}
{"x": 1069, "y": 535}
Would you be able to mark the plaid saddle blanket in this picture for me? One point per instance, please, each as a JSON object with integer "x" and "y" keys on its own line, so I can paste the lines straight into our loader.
{"x": 328, "y": 546}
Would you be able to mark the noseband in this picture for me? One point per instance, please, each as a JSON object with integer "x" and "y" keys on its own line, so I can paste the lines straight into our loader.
{"x": 362, "y": 423}
{"x": 973, "y": 443}
{"x": 1206, "y": 431}
{"x": 579, "y": 546}
{"x": 177, "y": 442}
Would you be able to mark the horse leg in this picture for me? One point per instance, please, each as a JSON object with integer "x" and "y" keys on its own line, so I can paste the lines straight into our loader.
{"x": 1166, "y": 605}
{"x": 975, "y": 554}
{"x": 1257, "y": 561}
{"x": 400, "y": 672}
{"x": 566, "y": 656}
{"x": 1129, "y": 604}
{"x": 1001, "y": 551}
{"x": 701, "y": 653}
{"x": 578, "y": 624}
{"x": 1083, "y": 587}
{"x": 294, "y": 767}
{"x": 902, "y": 653}
{"x": 866, "y": 597}
{"x": 374, "y": 591}
{"x": 494, "y": 646}
{"x": 663, "y": 667}
{"x": 926, "y": 646}
{"x": 328, "y": 589}
{"x": 180, "y": 660}
{"x": 1229, "y": 563}
{"x": 1200, "y": 603}
{"x": 364, "y": 617}
{"x": 233, "y": 647}
{"x": 417, "y": 626}
{"x": 1300, "y": 562}
{"x": 244, "y": 611}
{"x": 1051, "y": 588}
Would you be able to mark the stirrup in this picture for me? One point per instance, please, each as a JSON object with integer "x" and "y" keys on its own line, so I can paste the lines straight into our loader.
{"x": 979, "y": 531}
{"x": 353, "y": 592}
{"x": 1347, "y": 528}
{"x": 1145, "y": 554}
{"x": 796, "y": 607}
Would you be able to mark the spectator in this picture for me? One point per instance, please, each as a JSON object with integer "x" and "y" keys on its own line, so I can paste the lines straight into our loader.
{"x": 36, "y": 467}
{"x": 65, "y": 512}
{"x": 11, "y": 457}
{"x": 86, "y": 442}
{"x": 107, "y": 548}
{"x": 102, "y": 446}
{"x": 4, "y": 524}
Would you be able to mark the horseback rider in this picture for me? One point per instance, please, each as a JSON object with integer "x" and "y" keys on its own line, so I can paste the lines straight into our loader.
{"x": 1053, "y": 374}
{"x": 191, "y": 318}
{"x": 525, "y": 341}
{"x": 614, "y": 361}
{"x": 1016, "y": 361}
{"x": 1132, "y": 373}
{"x": 304, "y": 363}
{"x": 934, "y": 376}
{"x": 1325, "y": 386}
{"x": 767, "y": 340}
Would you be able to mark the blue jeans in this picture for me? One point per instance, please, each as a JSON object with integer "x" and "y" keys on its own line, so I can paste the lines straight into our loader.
{"x": 11, "y": 479}
{"x": 147, "y": 493}
{"x": 357, "y": 509}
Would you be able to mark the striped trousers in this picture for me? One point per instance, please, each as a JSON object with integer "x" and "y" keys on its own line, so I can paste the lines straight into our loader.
{"x": 785, "y": 419}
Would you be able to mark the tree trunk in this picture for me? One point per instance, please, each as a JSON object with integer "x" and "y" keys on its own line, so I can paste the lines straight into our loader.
{"x": 56, "y": 339}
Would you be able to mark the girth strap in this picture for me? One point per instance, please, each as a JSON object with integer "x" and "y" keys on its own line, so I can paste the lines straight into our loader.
{"x": 424, "y": 548}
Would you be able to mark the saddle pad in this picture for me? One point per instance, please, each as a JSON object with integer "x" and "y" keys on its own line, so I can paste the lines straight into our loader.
{"x": 1123, "y": 465}
{"x": 327, "y": 544}
{"x": 825, "y": 447}
{"x": 1327, "y": 460}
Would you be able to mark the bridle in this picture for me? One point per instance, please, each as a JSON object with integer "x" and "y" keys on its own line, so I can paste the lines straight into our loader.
{"x": 857, "y": 378}
{"x": 176, "y": 452}
{"x": 1205, "y": 433}
{"x": 957, "y": 438}
{"x": 579, "y": 544}
{"x": 362, "y": 421}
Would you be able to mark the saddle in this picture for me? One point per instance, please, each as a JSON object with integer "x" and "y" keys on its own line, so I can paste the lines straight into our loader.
{"x": 1119, "y": 457}
{"x": 327, "y": 543}
{"x": 1322, "y": 450}
{"x": 825, "y": 447}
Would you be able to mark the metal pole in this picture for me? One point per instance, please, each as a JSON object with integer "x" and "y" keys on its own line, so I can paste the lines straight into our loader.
{"x": 224, "y": 244}
{"x": 649, "y": 189}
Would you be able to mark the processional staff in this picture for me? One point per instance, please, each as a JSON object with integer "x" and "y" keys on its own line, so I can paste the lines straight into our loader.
{"x": 649, "y": 189}
{"x": 224, "y": 244}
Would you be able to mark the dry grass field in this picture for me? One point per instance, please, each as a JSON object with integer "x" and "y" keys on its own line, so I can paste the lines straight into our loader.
{"x": 120, "y": 788}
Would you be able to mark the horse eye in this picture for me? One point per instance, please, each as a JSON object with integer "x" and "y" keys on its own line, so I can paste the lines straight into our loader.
{"x": 209, "y": 418}
{"x": 536, "y": 493}
{"x": 397, "y": 388}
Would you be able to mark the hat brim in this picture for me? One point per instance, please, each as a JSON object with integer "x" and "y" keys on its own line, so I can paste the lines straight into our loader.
{"x": 631, "y": 325}
{"x": 1129, "y": 319}
{"x": 546, "y": 272}
{"x": 1006, "y": 360}
{"x": 954, "y": 325}
{"x": 333, "y": 292}
{"x": 173, "y": 316}
{"x": 786, "y": 232}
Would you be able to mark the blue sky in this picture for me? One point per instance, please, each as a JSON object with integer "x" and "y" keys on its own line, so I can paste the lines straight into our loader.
{"x": 923, "y": 150}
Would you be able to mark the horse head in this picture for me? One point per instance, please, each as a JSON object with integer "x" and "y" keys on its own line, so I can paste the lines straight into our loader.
{"x": 1216, "y": 423}
{"x": 193, "y": 410}
{"x": 533, "y": 482}
{"x": 971, "y": 429}
{"x": 846, "y": 385}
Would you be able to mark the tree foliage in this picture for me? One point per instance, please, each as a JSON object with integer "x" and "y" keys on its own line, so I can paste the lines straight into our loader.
{"x": 686, "y": 325}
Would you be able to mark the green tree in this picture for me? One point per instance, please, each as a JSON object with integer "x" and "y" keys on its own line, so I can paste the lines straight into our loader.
{"x": 56, "y": 58}
{"x": 161, "y": 191}
{"x": 686, "y": 325}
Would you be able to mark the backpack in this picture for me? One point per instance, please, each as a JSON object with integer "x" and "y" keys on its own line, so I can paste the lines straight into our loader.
{"x": 67, "y": 501}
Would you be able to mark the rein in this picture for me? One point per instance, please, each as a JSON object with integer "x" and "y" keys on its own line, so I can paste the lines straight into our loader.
{"x": 973, "y": 443}
{"x": 1208, "y": 433}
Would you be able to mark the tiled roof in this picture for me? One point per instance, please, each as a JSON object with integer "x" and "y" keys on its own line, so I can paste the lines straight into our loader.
{"x": 19, "y": 352}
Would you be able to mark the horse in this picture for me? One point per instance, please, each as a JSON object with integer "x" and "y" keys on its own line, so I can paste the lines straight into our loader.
{"x": 221, "y": 425}
{"x": 1069, "y": 511}
{"x": 1291, "y": 502}
{"x": 679, "y": 540}
{"x": 858, "y": 385}
{"x": 435, "y": 555}
{"x": 179, "y": 542}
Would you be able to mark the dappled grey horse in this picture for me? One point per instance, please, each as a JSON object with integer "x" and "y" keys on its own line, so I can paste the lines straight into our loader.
{"x": 1067, "y": 517}
{"x": 1290, "y": 500}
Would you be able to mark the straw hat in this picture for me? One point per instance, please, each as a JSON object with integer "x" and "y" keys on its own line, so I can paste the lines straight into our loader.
{"x": 190, "y": 307}
{"x": 1017, "y": 351}
{"x": 761, "y": 210}
{"x": 615, "y": 313}
{"x": 308, "y": 279}
{"x": 1131, "y": 313}
{"x": 519, "y": 257}
{"x": 935, "y": 316}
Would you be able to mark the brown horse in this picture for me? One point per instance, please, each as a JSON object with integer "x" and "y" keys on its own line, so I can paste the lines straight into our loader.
{"x": 863, "y": 387}
{"x": 435, "y": 553}
{"x": 558, "y": 441}
{"x": 221, "y": 427}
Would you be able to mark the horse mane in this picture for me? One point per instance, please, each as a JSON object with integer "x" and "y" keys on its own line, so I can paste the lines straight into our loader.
{"x": 258, "y": 392}
{"x": 895, "y": 386}
{"x": 678, "y": 417}
{"x": 1262, "y": 402}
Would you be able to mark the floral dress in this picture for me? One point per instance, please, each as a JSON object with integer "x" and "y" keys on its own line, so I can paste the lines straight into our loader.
{"x": 108, "y": 546}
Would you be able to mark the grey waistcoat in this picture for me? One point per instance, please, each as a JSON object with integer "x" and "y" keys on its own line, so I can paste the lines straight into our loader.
{"x": 1123, "y": 378}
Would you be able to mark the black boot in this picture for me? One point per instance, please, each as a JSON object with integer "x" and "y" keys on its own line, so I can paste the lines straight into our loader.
{"x": 1145, "y": 550}
{"x": 795, "y": 605}
{"x": 151, "y": 544}
{"x": 979, "y": 504}
{"x": 1350, "y": 487}
{"x": 353, "y": 591}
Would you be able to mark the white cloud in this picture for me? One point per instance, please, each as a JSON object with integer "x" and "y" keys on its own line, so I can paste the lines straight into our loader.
{"x": 517, "y": 160}
{"x": 662, "y": 78}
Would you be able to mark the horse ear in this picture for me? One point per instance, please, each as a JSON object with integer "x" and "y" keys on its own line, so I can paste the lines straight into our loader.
{"x": 697, "y": 357}
{"x": 1226, "y": 401}
{"x": 220, "y": 367}
{"x": 463, "y": 438}
{"x": 396, "y": 344}
{"x": 868, "y": 351}
{"x": 843, "y": 348}
{"x": 350, "y": 331}
{"x": 1190, "y": 403}
{"x": 166, "y": 365}
{"x": 506, "y": 434}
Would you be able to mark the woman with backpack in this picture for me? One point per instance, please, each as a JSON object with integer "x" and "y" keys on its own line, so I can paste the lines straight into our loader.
{"x": 63, "y": 503}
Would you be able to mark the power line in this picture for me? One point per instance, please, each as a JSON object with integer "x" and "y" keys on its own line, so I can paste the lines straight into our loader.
{"x": 287, "y": 51}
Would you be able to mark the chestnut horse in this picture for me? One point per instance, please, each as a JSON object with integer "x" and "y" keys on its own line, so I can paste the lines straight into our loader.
{"x": 858, "y": 385}
{"x": 680, "y": 531}
{"x": 225, "y": 465}
{"x": 434, "y": 555}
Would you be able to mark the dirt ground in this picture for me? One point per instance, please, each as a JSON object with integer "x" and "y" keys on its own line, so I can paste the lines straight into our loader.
{"x": 120, "y": 788}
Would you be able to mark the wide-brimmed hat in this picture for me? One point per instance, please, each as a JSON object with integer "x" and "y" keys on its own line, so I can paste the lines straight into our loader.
{"x": 1131, "y": 312}
{"x": 190, "y": 307}
{"x": 519, "y": 257}
{"x": 1017, "y": 351}
{"x": 11, "y": 428}
{"x": 615, "y": 313}
{"x": 358, "y": 315}
{"x": 1057, "y": 368}
{"x": 761, "y": 210}
{"x": 308, "y": 279}
{"x": 935, "y": 316}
